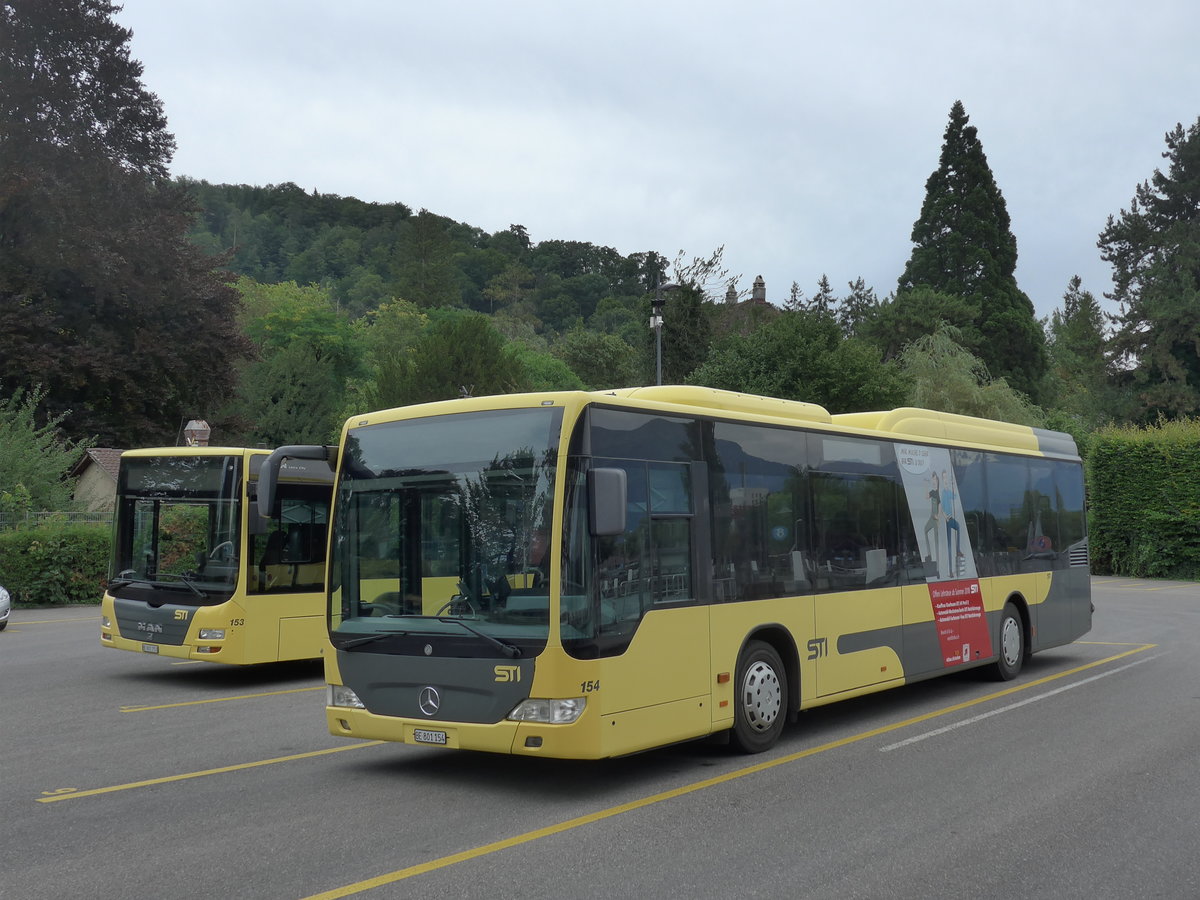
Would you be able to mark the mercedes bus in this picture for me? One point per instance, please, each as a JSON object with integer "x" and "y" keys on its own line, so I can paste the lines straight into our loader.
{"x": 587, "y": 575}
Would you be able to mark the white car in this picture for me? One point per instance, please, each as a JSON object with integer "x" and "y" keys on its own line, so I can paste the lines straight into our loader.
{"x": 5, "y": 607}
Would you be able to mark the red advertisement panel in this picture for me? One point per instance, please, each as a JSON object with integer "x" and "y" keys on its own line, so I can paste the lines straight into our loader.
{"x": 960, "y": 619}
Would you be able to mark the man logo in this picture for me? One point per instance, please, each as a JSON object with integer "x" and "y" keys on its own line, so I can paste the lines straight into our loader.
{"x": 181, "y": 614}
{"x": 430, "y": 701}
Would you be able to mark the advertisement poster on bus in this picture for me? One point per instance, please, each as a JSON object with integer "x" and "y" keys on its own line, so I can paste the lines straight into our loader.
{"x": 945, "y": 548}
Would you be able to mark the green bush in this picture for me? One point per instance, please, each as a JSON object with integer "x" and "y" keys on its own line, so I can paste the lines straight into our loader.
{"x": 1144, "y": 486}
{"x": 55, "y": 564}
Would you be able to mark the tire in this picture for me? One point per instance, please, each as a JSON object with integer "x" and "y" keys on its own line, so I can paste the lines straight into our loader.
{"x": 1010, "y": 645}
{"x": 761, "y": 698}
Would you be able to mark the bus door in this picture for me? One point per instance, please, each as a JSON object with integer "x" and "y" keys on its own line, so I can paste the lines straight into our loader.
{"x": 654, "y": 618}
{"x": 858, "y": 569}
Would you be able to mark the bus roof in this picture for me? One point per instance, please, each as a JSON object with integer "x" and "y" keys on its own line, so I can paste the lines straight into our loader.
{"x": 904, "y": 423}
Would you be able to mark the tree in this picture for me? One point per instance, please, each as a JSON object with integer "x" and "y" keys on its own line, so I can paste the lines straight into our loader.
{"x": 462, "y": 354}
{"x": 801, "y": 355}
{"x": 963, "y": 246}
{"x": 1154, "y": 249}
{"x": 686, "y": 332}
{"x": 857, "y": 307}
{"x": 602, "y": 361}
{"x": 34, "y": 458}
{"x": 1082, "y": 383}
{"x": 509, "y": 287}
{"x": 292, "y": 396}
{"x": 388, "y": 334}
{"x": 824, "y": 299}
{"x": 279, "y": 315}
{"x": 544, "y": 371}
{"x": 942, "y": 374}
{"x": 917, "y": 312}
{"x": 309, "y": 352}
{"x": 425, "y": 262}
{"x": 103, "y": 301}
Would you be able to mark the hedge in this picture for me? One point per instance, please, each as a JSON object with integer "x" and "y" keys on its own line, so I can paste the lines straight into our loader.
{"x": 55, "y": 564}
{"x": 1144, "y": 486}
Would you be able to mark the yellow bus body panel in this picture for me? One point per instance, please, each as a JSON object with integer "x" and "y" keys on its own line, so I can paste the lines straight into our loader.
{"x": 257, "y": 630}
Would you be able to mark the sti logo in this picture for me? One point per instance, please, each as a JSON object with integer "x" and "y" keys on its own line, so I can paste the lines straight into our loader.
{"x": 181, "y": 615}
{"x": 508, "y": 673}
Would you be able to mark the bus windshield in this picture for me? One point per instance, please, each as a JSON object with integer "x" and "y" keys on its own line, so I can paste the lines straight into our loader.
{"x": 177, "y": 525}
{"x": 443, "y": 524}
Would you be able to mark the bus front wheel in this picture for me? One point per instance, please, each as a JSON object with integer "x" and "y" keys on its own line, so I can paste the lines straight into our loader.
{"x": 1012, "y": 645}
{"x": 760, "y": 705}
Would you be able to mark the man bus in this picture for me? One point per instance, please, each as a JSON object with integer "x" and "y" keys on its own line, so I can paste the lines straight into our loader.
{"x": 198, "y": 574}
{"x": 717, "y": 562}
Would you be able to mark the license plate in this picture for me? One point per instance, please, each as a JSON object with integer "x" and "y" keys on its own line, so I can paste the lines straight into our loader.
{"x": 429, "y": 737}
{"x": 149, "y": 648}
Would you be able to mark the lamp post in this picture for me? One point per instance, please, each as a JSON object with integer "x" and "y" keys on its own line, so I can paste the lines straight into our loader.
{"x": 656, "y": 323}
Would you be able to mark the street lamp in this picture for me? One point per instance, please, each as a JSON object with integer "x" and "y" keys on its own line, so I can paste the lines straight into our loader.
{"x": 656, "y": 323}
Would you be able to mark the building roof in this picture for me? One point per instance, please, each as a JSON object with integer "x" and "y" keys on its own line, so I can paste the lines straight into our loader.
{"x": 107, "y": 458}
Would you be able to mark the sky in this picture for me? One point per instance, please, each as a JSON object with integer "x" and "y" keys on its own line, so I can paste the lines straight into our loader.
{"x": 798, "y": 136}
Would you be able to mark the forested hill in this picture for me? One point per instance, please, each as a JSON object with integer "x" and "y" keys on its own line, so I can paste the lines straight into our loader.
{"x": 364, "y": 253}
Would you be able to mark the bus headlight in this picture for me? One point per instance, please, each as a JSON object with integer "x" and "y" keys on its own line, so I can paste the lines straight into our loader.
{"x": 549, "y": 712}
{"x": 212, "y": 634}
{"x": 340, "y": 695}
{"x": 105, "y": 622}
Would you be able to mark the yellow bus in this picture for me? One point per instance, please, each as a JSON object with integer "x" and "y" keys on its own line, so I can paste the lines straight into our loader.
{"x": 587, "y": 575}
{"x": 197, "y": 574}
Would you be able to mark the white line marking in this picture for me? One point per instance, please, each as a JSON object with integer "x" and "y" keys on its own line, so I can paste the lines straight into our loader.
{"x": 995, "y": 712}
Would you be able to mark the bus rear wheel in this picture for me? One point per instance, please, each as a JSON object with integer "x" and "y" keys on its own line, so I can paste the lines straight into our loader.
{"x": 1011, "y": 645}
{"x": 760, "y": 705}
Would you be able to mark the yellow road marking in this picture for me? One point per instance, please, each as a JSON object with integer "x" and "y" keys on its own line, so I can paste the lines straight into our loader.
{"x": 599, "y": 816}
{"x": 125, "y": 709}
{"x": 11, "y": 621}
{"x": 72, "y": 794}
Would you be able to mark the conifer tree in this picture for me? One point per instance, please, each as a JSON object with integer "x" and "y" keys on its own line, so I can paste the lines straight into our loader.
{"x": 1154, "y": 248}
{"x": 963, "y": 246}
{"x": 824, "y": 300}
{"x": 1081, "y": 382}
{"x": 857, "y": 307}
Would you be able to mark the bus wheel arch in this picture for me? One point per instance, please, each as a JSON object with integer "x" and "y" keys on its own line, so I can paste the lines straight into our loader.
{"x": 1012, "y": 640}
{"x": 766, "y": 681}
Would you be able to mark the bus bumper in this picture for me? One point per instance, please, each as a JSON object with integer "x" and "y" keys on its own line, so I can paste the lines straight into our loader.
{"x": 518, "y": 738}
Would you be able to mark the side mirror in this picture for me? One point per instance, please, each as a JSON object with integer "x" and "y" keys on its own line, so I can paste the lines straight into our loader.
{"x": 607, "y": 497}
{"x": 268, "y": 475}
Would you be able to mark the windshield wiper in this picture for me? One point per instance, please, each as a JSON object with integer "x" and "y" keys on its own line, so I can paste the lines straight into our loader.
{"x": 195, "y": 590}
{"x": 369, "y": 639}
{"x": 121, "y": 582}
{"x": 509, "y": 650}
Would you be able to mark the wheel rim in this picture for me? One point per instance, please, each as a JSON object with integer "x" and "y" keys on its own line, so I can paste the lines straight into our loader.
{"x": 762, "y": 696}
{"x": 1010, "y": 640}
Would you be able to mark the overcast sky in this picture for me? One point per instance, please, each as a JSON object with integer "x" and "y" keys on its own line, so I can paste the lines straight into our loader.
{"x": 797, "y": 135}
